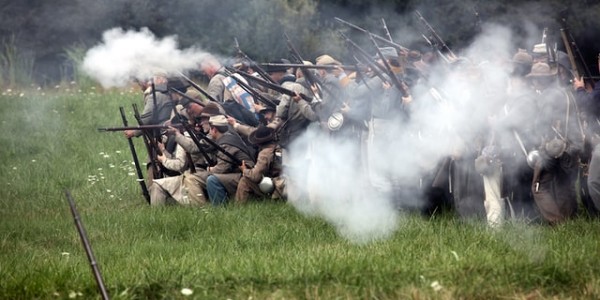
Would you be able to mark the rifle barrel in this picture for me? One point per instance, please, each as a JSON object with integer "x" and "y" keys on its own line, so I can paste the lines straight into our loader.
{"x": 87, "y": 246}
{"x": 274, "y": 87}
{"x": 378, "y": 37}
{"x": 139, "y": 127}
{"x": 303, "y": 66}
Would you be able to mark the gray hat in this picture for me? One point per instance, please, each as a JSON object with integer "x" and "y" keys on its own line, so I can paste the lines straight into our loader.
{"x": 541, "y": 69}
{"x": 388, "y": 53}
{"x": 522, "y": 57}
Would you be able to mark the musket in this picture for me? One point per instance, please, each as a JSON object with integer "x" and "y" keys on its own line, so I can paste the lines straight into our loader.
{"x": 387, "y": 32}
{"x": 375, "y": 67}
{"x": 198, "y": 88}
{"x": 571, "y": 48}
{"x": 234, "y": 160}
{"x": 300, "y": 66}
{"x": 188, "y": 128}
{"x": 195, "y": 101}
{"x": 87, "y": 246}
{"x": 253, "y": 64}
{"x": 438, "y": 42}
{"x": 388, "y": 42}
{"x": 136, "y": 162}
{"x": 178, "y": 92}
{"x": 151, "y": 146}
{"x": 389, "y": 71}
{"x": 140, "y": 127}
{"x": 310, "y": 78}
{"x": 274, "y": 87}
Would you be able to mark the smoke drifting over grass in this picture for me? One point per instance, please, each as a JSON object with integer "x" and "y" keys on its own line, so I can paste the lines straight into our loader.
{"x": 124, "y": 55}
{"x": 451, "y": 121}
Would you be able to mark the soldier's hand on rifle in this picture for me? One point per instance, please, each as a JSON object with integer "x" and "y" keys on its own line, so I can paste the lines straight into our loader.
{"x": 161, "y": 157}
{"x": 172, "y": 130}
{"x": 407, "y": 100}
{"x": 231, "y": 120}
{"x": 129, "y": 133}
{"x": 296, "y": 97}
{"x": 243, "y": 166}
{"x": 578, "y": 83}
{"x": 386, "y": 85}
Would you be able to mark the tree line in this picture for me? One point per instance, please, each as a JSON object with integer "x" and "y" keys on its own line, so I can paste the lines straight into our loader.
{"x": 41, "y": 40}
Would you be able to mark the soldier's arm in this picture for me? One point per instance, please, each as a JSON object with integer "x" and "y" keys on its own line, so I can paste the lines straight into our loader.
{"x": 216, "y": 88}
{"x": 223, "y": 162}
{"x": 256, "y": 173}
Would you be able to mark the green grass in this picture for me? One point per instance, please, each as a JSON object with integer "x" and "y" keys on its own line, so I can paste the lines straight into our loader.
{"x": 49, "y": 143}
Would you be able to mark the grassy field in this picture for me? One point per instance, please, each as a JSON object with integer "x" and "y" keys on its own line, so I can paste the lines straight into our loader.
{"x": 49, "y": 143}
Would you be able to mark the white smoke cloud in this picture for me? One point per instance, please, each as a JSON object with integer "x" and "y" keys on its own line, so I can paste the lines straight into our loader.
{"x": 123, "y": 55}
{"x": 450, "y": 125}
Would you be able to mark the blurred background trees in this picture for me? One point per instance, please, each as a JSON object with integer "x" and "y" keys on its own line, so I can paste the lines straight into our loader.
{"x": 41, "y": 41}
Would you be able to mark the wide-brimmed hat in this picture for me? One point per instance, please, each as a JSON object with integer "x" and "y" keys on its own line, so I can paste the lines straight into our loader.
{"x": 178, "y": 84}
{"x": 262, "y": 135}
{"x": 522, "y": 57}
{"x": 211, "y": 109}
{"x": 541, "y": 69}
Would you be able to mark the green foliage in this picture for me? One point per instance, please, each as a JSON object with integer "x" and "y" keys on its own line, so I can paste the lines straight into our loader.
{"x": 262, "y": 250}
{"x": 16, "y": 64}
{"x": 74, "y": 56}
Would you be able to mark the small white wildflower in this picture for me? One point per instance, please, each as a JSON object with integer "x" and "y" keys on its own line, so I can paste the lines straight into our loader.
{"x": 33, "y": 160}
{"x": 101, "y": 153}
{"x": 111, "y": 166}
{"x": 106, "y": 156}
{"x": 73, "y": 82}
{"x": 102, "y": 177}
{"x": 108, "y": 191}
{"x": 57, "y": 86}
{"x": 99, "y": 169}
{"x": 39, "y": 88}
{"x": 21, "y": 95}
{"x": 55, "y": 111}
{"x": 65, "y": 253}
{"x": 186, "y": 291}
{"x": 79, "y": 294}
{"x": 118, "y": 151}
{"x": 112, "y": 196}
{"x": 436, "y": 286}
{"x": 131, "y": 174}
{"x": 14, "y": 168}
{"x": 43, "y": 94}
{"x": 8, "y": 90}
{"x": 56, "y": 294}
{"x": 72, "y": 295}
{"x": 79, "y": 91}
{"x": 93, "y": 88}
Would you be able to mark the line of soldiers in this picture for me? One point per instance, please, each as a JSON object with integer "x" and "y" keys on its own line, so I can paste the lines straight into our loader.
{"x": 513, "y": 138}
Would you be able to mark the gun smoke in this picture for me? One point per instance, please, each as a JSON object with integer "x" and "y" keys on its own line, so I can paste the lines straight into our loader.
{"x": 126, "y": 55}
{"x": 447, "y": 118}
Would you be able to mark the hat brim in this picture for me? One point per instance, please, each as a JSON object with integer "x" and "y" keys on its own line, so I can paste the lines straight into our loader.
{"x": 542, "y": 75}
{"x": 252, "y": 138}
